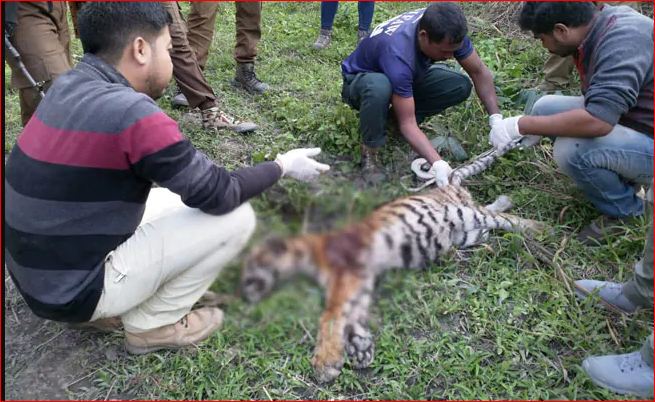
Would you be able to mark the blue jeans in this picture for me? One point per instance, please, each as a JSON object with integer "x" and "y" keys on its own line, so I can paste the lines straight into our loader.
{"x": 606, "y": 168}
{"x": 329, "y": 10}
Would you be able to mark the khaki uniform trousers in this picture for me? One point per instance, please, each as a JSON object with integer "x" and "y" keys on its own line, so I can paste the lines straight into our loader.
{"x": 557, "y": 69}
{"x": 43, "y": 41}
{"x": 201, "y": 22}
{"x": 192, "y": 41}
{"x": 186, "y": 69}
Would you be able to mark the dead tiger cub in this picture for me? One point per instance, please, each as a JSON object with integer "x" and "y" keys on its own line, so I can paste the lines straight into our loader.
{"x": 409, "y": 232}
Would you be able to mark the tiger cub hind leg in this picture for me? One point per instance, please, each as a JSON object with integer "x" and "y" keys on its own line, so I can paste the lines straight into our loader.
{"x": 501, "y": 204}
{"x": 476, "y": 237}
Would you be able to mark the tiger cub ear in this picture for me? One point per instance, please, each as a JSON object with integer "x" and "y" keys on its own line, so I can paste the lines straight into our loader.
{"x": 276, "y": 245}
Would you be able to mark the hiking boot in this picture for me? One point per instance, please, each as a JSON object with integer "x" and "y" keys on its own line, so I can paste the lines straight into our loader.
{"x": 623, "y": 374}
{"x": 610, "y": 293}
{"x": 193, "y": 328}
{"x": 246, "y": 79}
{"x": 600, "y": 228}
{"x": 371, "y": 167}
{"x": 324, "y": 39}
{"x": 179, "y": 100}
{"x": 110, "y": 324}
{"x": 214, "y": 119}
{"x": 361, "y": 35}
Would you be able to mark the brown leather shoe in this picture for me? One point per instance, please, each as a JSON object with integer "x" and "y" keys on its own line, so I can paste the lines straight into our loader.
{"x": 215, "y": 119}
{"x": 110, "y": 324}
{"x": 193, "y": 328}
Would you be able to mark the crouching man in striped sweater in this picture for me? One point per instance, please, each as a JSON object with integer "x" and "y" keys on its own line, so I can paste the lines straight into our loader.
{"x": 87, "y": 239}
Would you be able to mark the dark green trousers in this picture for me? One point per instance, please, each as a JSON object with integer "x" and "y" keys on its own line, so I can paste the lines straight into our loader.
{"x": 639, "y": 289}
{"x": 370, "y": 93}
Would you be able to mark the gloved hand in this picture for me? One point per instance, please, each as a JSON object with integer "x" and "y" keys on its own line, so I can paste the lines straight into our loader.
{"x": 503, "y": 131}
{"x": 298, "y": 164}
{"x": 441, "y": 172}
{"x": 494, "y": 118}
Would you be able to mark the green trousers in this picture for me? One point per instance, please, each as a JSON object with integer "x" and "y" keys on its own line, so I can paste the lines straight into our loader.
{"x": 370, "y": 93}
{"x": 639, "y": 289}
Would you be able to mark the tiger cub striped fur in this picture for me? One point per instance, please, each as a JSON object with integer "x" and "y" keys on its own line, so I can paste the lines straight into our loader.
{"x": 411, "y": 232}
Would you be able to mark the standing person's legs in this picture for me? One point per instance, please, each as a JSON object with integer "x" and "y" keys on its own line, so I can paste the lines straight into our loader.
{"x": 153, "y": 279}
{"x": 639, "y": 290}
{"x": 629, "y": 296}
{"x": 186, "y": 69}
{"x": 248, "y": 30}
{"x": 557, "y": 72}
{"x": 647, "y": 351}
{"x": 630, "y": 373}
{"x": 43, "y": 41}
{"x": 365, "y": 10}
{"x": 328, "y": 12}
{"x": 248, "y": 34}
{"x": 440, "y": 88}
{"x": 200, "y": 23}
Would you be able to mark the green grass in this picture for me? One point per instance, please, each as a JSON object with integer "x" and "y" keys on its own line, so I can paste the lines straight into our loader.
{"x": 495, "y": 322}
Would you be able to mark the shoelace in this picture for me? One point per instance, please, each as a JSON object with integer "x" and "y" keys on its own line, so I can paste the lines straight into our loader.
{"x": 215, "y": 114}
{"x": 631, "y": 362}
{"x": 228, "y": 119}
{"x": 323, "y": 40}
{"x": 184, "y": 321}
{"x": 251, "y": 77}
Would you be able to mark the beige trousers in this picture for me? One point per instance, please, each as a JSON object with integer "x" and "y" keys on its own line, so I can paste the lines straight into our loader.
{"x": 154, "y": 277}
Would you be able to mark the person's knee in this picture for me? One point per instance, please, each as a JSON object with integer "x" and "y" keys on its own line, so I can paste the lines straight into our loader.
{"x": 462, "y": 89}
{"x": 565, "y": 152}
{"x": 376, "y": 88}
{"x": 544, "y": 105}
{"x": 247, "y": 221}
{"x": 553, "y": 104}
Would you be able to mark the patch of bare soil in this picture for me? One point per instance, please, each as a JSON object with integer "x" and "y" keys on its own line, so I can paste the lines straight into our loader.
{"x": 47, "y": 360}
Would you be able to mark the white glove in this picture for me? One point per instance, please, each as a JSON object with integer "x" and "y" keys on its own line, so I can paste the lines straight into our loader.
{"x": 298, "y": 164}
{"x": 504, "y": 131}
{"x": 441, "y": 172}
{"x": 494, "y": 118}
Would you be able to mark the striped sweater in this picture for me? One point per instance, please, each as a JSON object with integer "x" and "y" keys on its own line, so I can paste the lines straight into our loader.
{"x": 78, "y": 178}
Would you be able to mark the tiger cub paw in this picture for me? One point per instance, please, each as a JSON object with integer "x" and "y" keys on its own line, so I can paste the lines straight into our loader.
{"x": 360, "y": 348}
{"x": 326, "y": 371}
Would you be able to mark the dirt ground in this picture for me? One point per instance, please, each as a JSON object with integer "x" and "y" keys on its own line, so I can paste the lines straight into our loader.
{"x": 46, "y": 360}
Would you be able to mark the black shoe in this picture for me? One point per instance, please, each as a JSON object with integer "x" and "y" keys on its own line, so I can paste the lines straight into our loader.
{"x": 246, "y": 79}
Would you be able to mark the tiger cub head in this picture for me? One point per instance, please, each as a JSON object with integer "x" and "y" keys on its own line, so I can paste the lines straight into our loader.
{"x": 269, "y": 263}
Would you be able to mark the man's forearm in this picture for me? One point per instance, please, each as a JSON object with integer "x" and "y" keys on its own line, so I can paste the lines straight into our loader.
{"x": 573, "y": 123}
{"x": 484, "y": 87}
{"x": 420, "y": 143}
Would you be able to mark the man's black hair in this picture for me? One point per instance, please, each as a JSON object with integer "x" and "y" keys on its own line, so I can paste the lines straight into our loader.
{"x": 106, "y": 28}
{"x": 444, "y": 21}
{"x": 541, "y": 17}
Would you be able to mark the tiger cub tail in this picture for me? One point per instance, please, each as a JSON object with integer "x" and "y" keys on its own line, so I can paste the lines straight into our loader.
{"x": 479, "y": 163}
